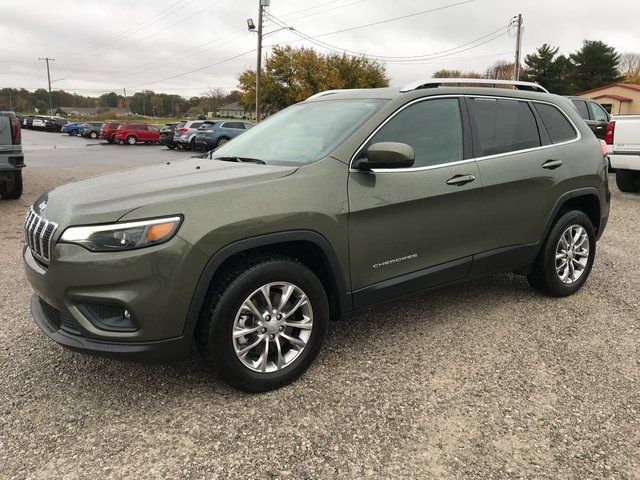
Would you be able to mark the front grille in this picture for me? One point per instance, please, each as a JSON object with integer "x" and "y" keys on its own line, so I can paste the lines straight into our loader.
{"x": 59, "y": 319}
{"x": 38, "y": 234}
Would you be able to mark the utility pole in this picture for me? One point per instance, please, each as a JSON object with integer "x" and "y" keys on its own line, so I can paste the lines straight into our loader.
{"x": 261, "y": 5}
{"x": 10, "y": 102}
{"x": 47, "y": 59}
{"x": 126, "y": 103}
{"x": 516, "y": 68}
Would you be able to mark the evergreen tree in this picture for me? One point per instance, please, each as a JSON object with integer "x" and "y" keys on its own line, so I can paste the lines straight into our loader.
{"x": 594, "y": 65}
{"x": 549, "y": 69}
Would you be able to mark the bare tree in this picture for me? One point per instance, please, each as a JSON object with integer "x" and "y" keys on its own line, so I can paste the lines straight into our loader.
{"x": 501, "y": 70}
{"x": 629, "y": 64}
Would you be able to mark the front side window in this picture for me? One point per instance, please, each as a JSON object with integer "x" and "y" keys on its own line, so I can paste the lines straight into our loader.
{"x": 559, "y": 128}
{"x": 502, "y": 126}
{"x": 433, "y": 128}
{"x": 599, "y": 115}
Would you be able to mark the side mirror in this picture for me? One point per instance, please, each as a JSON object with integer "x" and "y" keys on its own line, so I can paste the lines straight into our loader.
{"x": 386, "y": 155}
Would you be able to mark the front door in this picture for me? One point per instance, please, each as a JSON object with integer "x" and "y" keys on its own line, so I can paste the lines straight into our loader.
{"x": 414, "y": 228}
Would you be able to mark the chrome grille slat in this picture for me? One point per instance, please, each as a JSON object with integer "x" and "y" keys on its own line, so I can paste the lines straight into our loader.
{"x": 39, "y": 235}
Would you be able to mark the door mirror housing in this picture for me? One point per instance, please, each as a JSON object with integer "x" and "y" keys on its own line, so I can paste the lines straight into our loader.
{"x": 386, "y": 155}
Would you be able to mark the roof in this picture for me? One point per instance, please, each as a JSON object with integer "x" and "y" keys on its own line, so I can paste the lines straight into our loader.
{"x": 234, "y": 106}
{"x": 629, "y": 86}
{"x": 615, "y": 97}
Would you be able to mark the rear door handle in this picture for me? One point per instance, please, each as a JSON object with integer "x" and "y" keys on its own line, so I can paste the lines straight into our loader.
{"x": 552, "y": 164}
{"x": 460, "y": 179}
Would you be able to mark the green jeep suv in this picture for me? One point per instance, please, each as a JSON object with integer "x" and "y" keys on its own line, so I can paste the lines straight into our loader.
{"x": 342, "y": 201}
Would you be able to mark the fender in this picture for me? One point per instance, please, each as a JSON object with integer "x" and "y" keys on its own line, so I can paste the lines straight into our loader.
{"x": 344, "y": 298}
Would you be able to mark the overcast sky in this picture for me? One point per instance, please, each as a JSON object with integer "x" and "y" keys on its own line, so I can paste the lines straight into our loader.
{"x": 101, "y": 46}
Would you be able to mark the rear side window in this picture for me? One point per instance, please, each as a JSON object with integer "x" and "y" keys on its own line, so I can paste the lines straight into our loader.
{"x": 502, "y": 126}
{"x": 180, "y": 125}
{"x": 558, "y": 126}
{"x": 196, "y": 125}
{"x": 599, "y": 114}
{"x": 581, "y": 106}
{"x": 432, "y": 127}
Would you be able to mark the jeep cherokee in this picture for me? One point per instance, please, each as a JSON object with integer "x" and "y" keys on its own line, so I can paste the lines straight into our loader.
{"x": 334, "y": 204}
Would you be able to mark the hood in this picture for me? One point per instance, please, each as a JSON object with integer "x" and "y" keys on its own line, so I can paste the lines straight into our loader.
{"x": 106, "y": 198}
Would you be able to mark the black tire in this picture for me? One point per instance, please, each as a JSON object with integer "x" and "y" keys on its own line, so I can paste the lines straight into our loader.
{"x": 214, "y": 332}
{"x": 628, "y": 180}
{"x": 171, "y": 147}
{"x": 93, "y": 135}
{"x": 130, "y": 140}
{"x": 221, "y": 141}
{"x": 12, "y": 190}
{"x": 543, "y": 276}
{"x": 192, "y": 145}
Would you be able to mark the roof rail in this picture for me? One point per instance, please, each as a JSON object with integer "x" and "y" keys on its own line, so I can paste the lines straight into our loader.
{"x": 438, "y": 82}
{"x": 332, "y": 92}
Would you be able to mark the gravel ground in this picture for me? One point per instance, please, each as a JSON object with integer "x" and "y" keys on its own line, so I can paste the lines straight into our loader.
{"x": 483, "y": 380}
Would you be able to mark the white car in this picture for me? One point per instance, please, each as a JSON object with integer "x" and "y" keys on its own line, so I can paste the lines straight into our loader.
{"x": 623, "y": 137}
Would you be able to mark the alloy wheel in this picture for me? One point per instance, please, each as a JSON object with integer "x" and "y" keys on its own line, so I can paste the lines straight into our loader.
{"x": 572, "y": 254}
{"x": 272, "y": 327}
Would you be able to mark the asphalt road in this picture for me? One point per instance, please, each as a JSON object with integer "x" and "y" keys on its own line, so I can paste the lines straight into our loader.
{"x": 483, "y": 380}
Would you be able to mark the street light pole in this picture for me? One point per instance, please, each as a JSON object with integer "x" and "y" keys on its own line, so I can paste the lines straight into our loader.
{"x": 47, "y": 59}
{"x": 261, "y": 5}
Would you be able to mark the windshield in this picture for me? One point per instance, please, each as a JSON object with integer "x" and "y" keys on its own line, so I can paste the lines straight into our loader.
{"x": 302, "y": 133}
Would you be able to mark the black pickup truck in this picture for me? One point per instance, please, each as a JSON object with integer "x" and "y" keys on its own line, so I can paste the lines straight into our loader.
{"x": 11, "y": 157}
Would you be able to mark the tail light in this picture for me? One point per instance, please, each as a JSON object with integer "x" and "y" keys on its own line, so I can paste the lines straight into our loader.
{"x": 611, "y": 130}
{"x": 184, "y": 130}
{"x": 604, "y": 148}
{"x": 16, "y": 134}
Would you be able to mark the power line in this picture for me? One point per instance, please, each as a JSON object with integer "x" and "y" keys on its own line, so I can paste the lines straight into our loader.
{"x": 327, "y": 10}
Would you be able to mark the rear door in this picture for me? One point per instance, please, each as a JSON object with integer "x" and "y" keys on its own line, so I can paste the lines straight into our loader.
{"x": 522, "y": 172}
{"x": 414, "y": 228}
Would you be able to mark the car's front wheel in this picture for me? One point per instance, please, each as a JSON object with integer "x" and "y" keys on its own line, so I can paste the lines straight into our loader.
{"x": 564, "y": 263}
{"x": 264, "y": 324}
{"x": 93, "y": 135}
{"x": 131, "y": 140}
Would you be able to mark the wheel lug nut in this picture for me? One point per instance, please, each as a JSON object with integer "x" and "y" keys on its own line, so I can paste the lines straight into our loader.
{"x": 279, "y": 317}
{"x": 267, "y": 318}
{"x": 263, "y": 330}
{"x": 271, "y": 336}
{"x": 281, "y": 328}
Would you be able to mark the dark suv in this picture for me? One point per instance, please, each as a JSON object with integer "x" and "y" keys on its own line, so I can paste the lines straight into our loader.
{"x": 334, "y": 204}
{"x": 594, "y": 115}
{"x": 213, "y": 134}
{"x": 11, "y": 156}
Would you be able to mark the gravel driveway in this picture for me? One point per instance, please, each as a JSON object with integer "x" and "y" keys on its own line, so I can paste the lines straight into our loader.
{"x": 484, "y": 380}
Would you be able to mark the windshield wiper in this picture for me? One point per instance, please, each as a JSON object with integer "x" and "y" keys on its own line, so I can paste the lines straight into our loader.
{"x": 241, "y": 160}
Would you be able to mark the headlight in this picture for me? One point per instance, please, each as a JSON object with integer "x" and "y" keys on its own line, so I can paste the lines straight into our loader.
{"x": 123, "y": 236}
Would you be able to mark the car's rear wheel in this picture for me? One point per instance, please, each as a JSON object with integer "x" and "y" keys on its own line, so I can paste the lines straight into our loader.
{"x": 628, "y": 180}
{"x": 221, "y": 141}
{"x": 93, "y": 135}
{"x": 564, "y": 263}
{"x": 12, "y": 189}
{"x": 264, "y": 324}
{"x": 131, "y": 140}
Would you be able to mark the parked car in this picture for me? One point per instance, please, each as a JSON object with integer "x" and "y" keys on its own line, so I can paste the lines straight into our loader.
{"x": 166, "y": 134}
{"x": 623, "y": 136}
{"x": 11, "y": 156}
{"x": 39, "y": 123}
{"x": 55, "y": 124}
{"x": 132, "y": 133}
{"x": 184, "y": 135}
{"x": 91, "y": 129}
{"x": 593, "y": 114}
{"x": 214, "y": 134}
{"x": 108, "y": 131}
{"x": 334, "y": 204}
{"x": 72, "y": 128}
{"x": 27, "y": 122}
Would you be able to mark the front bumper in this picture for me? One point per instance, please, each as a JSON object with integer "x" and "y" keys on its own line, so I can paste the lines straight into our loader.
{"x": 155, "y": 285}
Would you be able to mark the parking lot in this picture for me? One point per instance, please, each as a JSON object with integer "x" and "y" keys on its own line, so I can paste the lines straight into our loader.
{"x": 487, "y": 379}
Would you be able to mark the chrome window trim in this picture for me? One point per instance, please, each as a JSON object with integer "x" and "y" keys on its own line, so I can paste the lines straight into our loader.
{"x": 467, "y": 160}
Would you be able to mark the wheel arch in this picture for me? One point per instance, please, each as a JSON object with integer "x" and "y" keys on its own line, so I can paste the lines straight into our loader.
{"x": 586, "y": 200}
{"x": 307, "y": 246}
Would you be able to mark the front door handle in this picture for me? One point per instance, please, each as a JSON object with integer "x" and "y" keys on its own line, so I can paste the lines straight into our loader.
{"x": 552, "y": 164}
{"x": 460, "y": 179}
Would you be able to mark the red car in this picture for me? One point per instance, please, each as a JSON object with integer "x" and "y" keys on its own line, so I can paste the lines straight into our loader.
{"x": 132, "y": 133}
{"x": 108, "y": 131}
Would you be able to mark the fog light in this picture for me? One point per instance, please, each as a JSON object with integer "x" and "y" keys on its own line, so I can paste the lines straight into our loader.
{"x": 112, "y": 318}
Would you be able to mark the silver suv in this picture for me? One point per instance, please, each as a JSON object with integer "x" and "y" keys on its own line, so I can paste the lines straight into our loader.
{"x": 184, "y": 135}
{"x": 11, "y": 157}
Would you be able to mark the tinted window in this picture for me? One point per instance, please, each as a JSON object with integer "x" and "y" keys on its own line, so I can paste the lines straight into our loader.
{"x": 233, "y": 125}
{"x": 598, "y": 112}
{"x": 502, "y": 126}
{"x": 196, "y": 125}
{"x": 559, "y": 128}
{"x": 180, "y": 125}
{"x": 581, "y": 106}
{"x": 433, "y": 128}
